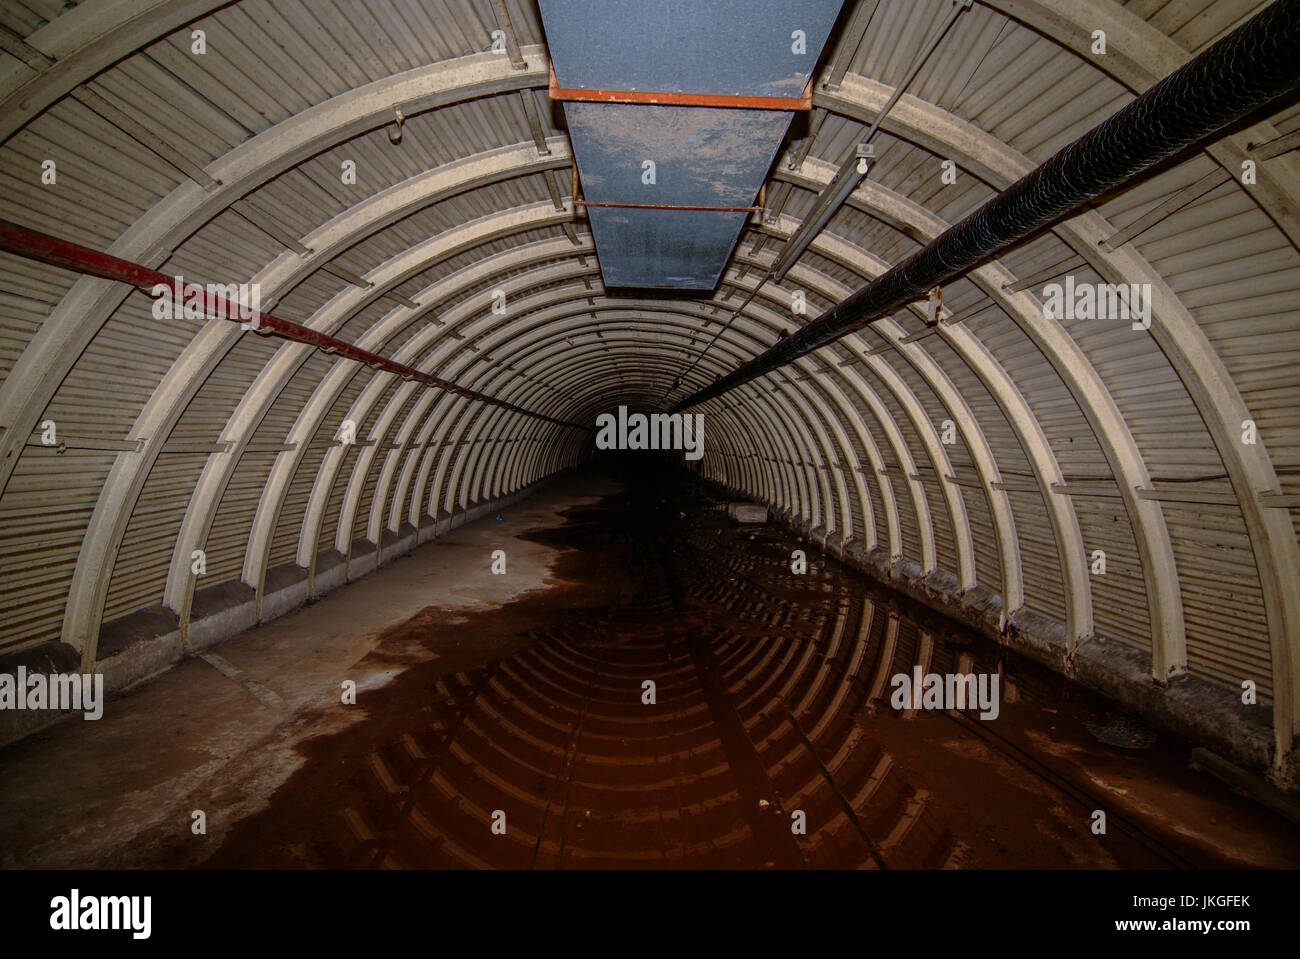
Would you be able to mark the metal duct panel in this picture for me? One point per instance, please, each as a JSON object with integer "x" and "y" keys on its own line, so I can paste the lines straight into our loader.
{"x": 703, "y": 155}
{"x": 664, "y": 249}
{"x": 731, "y": 47}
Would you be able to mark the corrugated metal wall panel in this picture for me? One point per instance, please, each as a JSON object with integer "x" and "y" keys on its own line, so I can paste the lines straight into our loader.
{"x": 330, "y": 521}
{"x": 330, "y": 427}
{"x": 140, "y": 571}
{"x": 284, "y": 544}
{"x": 45, "y": 516}
{"x": 1039, "y": 560}
{"x": 1119, "y": 597}
{"x": 228, "y": 539}
{"x": 1222, "y": 604}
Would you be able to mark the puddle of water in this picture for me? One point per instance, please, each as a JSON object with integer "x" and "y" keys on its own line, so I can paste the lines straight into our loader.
{"x": 532, "y": 741}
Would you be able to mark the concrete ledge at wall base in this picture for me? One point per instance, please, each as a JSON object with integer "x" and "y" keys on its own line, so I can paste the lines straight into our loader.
{"x": 838, "y": 545}
{"x": 45, "y": 659}
{"x": 852, "y": 547}
{"x": 139, "y": 645}
{"x": 286, "y": 588}
{"x": 1190, "y": 708}
{"x": 979, "y": 604}
{"x": 394, "y": 544}
{"x": 1041, "y": 639}
{"x": 942, "y": 582}
{"x": 363, "y": 558}
{"x": 219, "y": 611}
{"x": 904, "y": 570}
{"x": 389, "y": 539}
{"x": 331, "y": 572}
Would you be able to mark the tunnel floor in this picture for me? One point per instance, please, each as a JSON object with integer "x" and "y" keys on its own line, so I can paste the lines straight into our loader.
{"x": 767, "y": 704}
{"x": 521, "y": 736}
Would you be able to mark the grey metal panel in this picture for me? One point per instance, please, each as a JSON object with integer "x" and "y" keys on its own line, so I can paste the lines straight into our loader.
{"x": 731, "y": 47}
{"x": 702, "y": 156}
{"x": 664, "y": 249}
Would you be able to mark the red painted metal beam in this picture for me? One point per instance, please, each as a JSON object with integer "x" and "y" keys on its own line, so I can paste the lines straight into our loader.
{"x": 672, "y": 206}
{"x": 665, "y": 98}
{"x": 34, "y": 245}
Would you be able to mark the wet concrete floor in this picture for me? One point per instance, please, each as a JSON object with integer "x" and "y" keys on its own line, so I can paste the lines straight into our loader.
{"x": 531, "y": 738}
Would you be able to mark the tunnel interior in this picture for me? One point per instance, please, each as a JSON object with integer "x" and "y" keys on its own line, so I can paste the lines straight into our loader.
{"x": 964, "y": 345}
{"x": 767, "y": 738}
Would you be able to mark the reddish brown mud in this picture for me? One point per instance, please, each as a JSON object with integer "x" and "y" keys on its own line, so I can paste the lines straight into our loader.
{"x": 531, "y": 740}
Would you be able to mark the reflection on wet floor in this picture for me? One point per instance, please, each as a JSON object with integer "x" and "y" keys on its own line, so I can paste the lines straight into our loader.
{"x": 770, "y": 741}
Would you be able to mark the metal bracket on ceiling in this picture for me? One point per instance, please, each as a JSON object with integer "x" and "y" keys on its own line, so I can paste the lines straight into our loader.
{"x": 670, "y": 98}
{"x": 673, "y": 206}
{"x": 933, "y": 305}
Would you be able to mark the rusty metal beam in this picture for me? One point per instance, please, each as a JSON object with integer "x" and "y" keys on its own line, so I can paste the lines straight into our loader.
{"x": 673, "y": 206}
{"x": 44, "y": 248}
{"x": 668, "y": 98}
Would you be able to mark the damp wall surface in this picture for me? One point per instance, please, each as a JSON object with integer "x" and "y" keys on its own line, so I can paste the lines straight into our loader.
{"x": 1192, "y": 709}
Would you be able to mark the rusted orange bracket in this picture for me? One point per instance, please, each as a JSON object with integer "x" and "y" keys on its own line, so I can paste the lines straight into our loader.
{"x": 664, "y": 98}
{"x": 675, "y": 206}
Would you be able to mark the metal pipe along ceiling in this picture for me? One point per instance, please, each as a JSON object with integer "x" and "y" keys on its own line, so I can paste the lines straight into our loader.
{"x": 1239, "y": 75}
